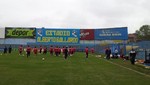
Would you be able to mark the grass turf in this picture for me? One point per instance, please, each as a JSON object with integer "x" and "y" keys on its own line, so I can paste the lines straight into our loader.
{"x": 76, "y": 70}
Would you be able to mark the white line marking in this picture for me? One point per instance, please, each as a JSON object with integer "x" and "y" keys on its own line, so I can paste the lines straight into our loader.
{"x": 128, "y": 69}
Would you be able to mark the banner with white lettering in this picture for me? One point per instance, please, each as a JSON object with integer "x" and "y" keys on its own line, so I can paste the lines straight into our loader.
{"x": 111, "y": 34}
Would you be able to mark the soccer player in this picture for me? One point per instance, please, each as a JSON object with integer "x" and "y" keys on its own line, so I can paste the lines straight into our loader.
{"x": 74, "y": 50}
{"x": 10, "y": 49}
{"x": 28, "y": 50}
{"x": 86, "y": 52}
{"x": 5, "y": 50}
{"x": 63, "y": 51}
{"x": 45, "y": 50}
{"x": 40, "y": 49}
{"x": 66, "y": 52}
{"x": 56, "y": 50}
{"x": 51, "y": 50}
{"x": 92, "y": 50}
{"x": 70, "y": 51}
{"x": 20, "y": 49}
{"x": 35, "y": 50}
{"x": 59, "y": 51}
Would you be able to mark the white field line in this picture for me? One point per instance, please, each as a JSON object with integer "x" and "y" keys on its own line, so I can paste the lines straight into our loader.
{"x": 128, "y": 69}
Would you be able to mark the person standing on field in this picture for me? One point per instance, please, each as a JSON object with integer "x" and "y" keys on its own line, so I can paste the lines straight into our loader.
{"x": 45, "y": 50}
{"x": 20, "y": 49}
{"x": 73, "y": 50}
{"x": 40, "y": 49}
{"x": 51, "y": 50}
{"x": 56, "y": 51}
{"x": 108, "y": 52}
{"x": 86, "y": 52}
{"x": 10, "y": 49}
{"x": 69, "y": 51}
{"x": 59, "y": 51}
{"x": 132, "y": 56}
{"x": 5, "y": 50}
{"x": 116, "y": 53}
{"x": 66, "y": 52}
{"x": 92, "y": 50}
{"x": 35, "y": 50}
{"x": 63, "y": 51}
{"x": 28, "y": 50}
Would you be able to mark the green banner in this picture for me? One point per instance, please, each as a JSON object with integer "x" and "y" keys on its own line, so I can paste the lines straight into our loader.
{"x": 12, "y": 32}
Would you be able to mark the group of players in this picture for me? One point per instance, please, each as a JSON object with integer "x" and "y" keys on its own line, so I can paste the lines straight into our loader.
{"x": 66, "y": 51}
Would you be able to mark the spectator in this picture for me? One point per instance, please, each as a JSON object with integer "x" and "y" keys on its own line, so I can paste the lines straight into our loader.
{"x": 132, "y": 56}
{"x": 5, "y": 50}
{"x": 108, "y": 52}
{"x": 116, "y": 53}
{"x": 10, "y": 49}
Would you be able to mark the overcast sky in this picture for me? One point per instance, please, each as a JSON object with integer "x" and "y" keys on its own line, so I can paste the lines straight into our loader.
{"x": 75, "y": 13}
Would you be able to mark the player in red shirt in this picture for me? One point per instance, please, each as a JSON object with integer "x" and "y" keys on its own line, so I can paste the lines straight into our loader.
{"x": 63, "y": 51}
{"x": 56, "y": 50}
{"x": 86, "y": 52}
{"x": 59, "y": 51}
{"x": 20, "y": 49}
{"x": 51, "y": 50}
{"x": 45, "y": 50}
{"x": 92, "y": 50}
{"x": 70, "y": 51}
{"x": 35, "y": 50}
{"x": 28, "y": 50}
{"x": 40, "y": 49}
{"x": 73, "y": 50}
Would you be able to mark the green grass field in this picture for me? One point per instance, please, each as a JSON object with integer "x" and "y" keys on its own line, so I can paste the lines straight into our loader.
{"x": 76, "y": 70}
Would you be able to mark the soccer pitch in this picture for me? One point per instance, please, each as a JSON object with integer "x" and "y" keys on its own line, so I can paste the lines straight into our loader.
{"x": 76, "y": 70}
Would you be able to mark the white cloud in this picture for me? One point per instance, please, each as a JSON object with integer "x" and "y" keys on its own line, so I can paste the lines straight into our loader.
{"x": 75, "y": 13}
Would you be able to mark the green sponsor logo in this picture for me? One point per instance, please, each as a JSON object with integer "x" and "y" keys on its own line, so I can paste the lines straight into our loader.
{"x": 20, "y": 33}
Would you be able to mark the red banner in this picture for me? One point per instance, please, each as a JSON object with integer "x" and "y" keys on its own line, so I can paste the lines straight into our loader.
{"x": 86, "y": 34}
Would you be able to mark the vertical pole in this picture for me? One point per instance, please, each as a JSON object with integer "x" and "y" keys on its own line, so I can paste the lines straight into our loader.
{"x": 145, "y": 56}
{"x": 83, "y": 45}
{"x": 124, "y": 43}
{"x": 94, "y": 44}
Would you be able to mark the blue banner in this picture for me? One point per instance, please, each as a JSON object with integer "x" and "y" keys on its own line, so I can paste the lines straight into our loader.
{"x": 58, "y": 36}
{"x": 111, "y": 34}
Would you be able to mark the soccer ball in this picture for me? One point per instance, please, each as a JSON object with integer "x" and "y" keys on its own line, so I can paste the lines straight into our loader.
{"x": 25, "y": 49}
{"x": 43, "y": 59}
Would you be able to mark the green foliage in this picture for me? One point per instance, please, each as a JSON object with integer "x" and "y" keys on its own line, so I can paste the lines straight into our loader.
{"x": 144, "y": 32}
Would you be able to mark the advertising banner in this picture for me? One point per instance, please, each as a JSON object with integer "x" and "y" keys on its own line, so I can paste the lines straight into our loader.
{"x": 86, "y": 34}
{"x": 111, "y": 34}
{"x": 19, "y": 32}
{"x": 2, "y": 32}
{"x": 56, "y": 36}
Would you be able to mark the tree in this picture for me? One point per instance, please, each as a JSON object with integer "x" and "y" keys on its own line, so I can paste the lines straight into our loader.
{"x": 143, "y": 33}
